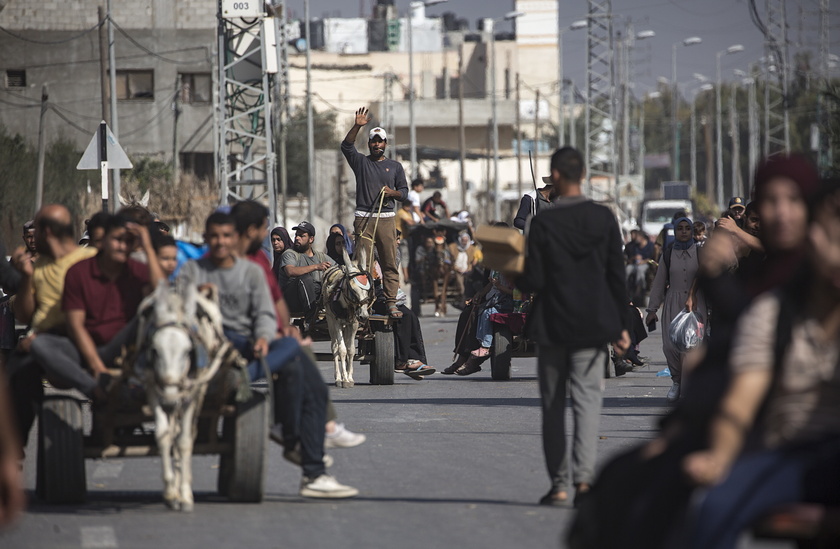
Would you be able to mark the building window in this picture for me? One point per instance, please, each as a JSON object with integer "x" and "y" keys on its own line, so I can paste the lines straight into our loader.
{"x": 199, "y": 164}
{"x": 135, "y": 85}
{"x": 16, "y": 78}
{"x": 196, "y": 88}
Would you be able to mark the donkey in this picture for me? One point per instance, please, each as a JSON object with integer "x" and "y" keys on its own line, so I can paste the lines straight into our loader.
{"x": 347, "y": 293}
{"x": 184, "y": 345}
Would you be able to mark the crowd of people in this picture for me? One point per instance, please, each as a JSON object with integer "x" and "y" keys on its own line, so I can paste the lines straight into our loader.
{"x": 754, "y": 422}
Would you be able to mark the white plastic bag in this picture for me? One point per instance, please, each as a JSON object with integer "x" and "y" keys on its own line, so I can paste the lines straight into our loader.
{"x": 686, "y": 330}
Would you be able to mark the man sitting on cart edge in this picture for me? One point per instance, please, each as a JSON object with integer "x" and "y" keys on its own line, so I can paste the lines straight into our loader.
{"x": 375, "y": 175}
{"x": 250, "y": 322}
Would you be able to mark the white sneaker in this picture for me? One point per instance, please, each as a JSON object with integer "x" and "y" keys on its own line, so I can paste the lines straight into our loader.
{"x": 674, "y": 393}
{"x": 325, "y": 486}
{"x": 343, "y": 438}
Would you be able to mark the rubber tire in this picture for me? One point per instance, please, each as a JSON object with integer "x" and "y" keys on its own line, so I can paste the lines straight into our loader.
{"x": 61, "y": 477}
{"x": 242, "y": 472}
{"x": 382, "y": 361}
{"x": 500, "y": 356}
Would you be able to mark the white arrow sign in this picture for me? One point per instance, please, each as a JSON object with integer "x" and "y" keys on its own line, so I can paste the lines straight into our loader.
{"x": 103, "y": 154}
{"x": 114, "y": 154}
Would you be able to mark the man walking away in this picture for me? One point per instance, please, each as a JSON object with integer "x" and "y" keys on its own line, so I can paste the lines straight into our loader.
{"x": 575, "y": 267}
{"x": 376, "y": 174}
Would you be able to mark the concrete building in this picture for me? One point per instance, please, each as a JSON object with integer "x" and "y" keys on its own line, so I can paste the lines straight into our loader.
{"x": 165, "y": 60}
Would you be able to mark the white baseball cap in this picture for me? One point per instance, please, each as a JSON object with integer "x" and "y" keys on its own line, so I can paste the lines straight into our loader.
{"x": 378, "y": 132}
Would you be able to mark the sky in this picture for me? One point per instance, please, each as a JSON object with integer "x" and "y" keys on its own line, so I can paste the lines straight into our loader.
{"x": 720, "y": 24}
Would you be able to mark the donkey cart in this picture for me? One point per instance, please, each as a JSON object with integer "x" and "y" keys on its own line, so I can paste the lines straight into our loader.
{"x": 236, "y": 431}
{"x": 375, "y": 344}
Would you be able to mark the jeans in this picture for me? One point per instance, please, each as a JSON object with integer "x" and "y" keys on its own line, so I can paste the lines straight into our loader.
{"x": 63, "y": 364}
{"x": 760, "y": 481}
{"x": 584, "y": 369}
{"x": 300, "y": 396}
{"x": 484, "y": 330}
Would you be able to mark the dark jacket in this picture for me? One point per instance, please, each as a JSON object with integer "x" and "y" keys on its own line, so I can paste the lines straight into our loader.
{"x": 531, "y": 204}
{"x": 576, "y": 268}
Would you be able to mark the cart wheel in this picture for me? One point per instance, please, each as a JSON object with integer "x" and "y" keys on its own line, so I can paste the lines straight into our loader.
{"x": 382, "y": 364}
{"x": 500, "y": 358}
{"x": 242, "y": 471}
{"x": 61, "y": 458}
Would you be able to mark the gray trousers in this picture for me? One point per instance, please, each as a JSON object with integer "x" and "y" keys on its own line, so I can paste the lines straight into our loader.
{"x": 584, "y": 369}
{"x": 63, "y": 364}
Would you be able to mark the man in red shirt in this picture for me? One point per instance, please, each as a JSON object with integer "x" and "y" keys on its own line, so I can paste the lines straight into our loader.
{"x": 100, "y": 300}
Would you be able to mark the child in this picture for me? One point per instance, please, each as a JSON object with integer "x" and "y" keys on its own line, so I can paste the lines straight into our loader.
{"x": 167, "y": 254}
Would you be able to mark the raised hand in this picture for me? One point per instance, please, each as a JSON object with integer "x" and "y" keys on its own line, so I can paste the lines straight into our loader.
{"x": 362, "y": 117}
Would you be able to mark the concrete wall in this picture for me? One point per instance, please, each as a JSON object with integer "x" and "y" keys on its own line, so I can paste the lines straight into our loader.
{"x": 72, "y": 73}
{"x": 76, "y": 15}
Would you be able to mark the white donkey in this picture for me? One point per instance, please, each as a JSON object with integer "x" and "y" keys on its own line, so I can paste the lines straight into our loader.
{"x": 185, "y": 346}
{"x": 346, "y": 294}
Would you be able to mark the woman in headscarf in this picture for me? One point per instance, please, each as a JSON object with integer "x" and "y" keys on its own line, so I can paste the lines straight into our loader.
{"x": 338, "y": 228}
{"x": 335, "y": 246}
{"x": 673, "y": 287}
{"x": 280, "y": 242}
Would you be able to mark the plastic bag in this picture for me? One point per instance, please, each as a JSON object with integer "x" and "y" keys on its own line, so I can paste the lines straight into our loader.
{"x": 686, "y": 330}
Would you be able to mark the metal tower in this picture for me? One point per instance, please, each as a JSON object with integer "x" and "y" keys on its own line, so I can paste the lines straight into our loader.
{"x": 776, "y": 120}
{"x": 600, "y": 151}
{"x": 247, "y": 56}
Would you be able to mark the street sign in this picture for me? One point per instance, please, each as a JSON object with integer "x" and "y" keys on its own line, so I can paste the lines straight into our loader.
{"x": 115, "y": 155}
{"x": 104, "y": 153}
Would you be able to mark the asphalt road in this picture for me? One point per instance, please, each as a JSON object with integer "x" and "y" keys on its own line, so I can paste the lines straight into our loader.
{"x": 449, "y": 462}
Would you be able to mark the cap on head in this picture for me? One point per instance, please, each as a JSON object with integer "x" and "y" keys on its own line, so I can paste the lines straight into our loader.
{"x": 736, "y": 202}
{"x": 547, "y": 180}
{"x": 377, "y": 132}
{"x": 306, "y": 227}
{"x": 29, "y": 226}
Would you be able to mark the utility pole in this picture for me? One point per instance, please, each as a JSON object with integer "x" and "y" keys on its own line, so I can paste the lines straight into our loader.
{"x": 103, "y": 65}
{"x": 711, "y": 183}
{"x": 519, "y": 139}
{"x": 284, "y": 110}
{"x": 115, "y": 126}
{"x": 310, "y": 127}
{"x": 176, "y": 111}
{"x": 462, "y": 139}
{"x": 39, "y": 179}
{"x": 737, "y": 187}
{"x": 537, "y": 132}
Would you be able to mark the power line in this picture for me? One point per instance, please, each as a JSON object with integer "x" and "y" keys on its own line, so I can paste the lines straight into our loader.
{"x": 53, "y": 42}
{"x": 157, "y": 55}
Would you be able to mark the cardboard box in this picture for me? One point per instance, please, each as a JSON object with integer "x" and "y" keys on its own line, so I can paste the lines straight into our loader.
{"x": 503, "y": 248}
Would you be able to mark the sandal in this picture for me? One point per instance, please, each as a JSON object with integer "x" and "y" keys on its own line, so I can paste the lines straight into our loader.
{"x": 481, "y": 352}
{"x": 394, "y": 312}
{"x": 419, "y": 371}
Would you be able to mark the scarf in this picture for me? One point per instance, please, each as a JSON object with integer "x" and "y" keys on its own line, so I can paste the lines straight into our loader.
{"x": 682, "y": 246}
{"x": 348, "y": 243}
{"x": 287, "y": 245}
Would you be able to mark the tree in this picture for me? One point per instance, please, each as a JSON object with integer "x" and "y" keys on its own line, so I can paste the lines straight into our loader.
{"x": 63, "y": 184}
{"x": 296, "y": 146}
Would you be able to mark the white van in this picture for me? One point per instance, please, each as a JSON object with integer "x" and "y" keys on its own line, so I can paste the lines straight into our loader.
{"x": 656, "y": 213}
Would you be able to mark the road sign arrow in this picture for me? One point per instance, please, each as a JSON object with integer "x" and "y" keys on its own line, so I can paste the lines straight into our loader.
{"x": 114, "y": 154}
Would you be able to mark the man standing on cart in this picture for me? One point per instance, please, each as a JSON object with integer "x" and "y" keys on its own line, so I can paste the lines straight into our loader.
{"x": 375, "y": 215}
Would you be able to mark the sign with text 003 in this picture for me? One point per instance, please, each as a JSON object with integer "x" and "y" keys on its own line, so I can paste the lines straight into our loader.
{"x": 242, "y": 8}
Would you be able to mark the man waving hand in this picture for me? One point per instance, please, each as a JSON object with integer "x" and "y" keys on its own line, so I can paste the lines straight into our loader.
{"x": 375, "y": 175}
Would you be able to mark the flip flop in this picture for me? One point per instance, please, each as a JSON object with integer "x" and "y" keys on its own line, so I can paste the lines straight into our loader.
{"x": 420, "y": 371}
{"x": 394, "y": 312}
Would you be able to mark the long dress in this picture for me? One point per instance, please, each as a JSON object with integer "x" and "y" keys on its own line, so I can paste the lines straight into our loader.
{"x": 672, "y": 294}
